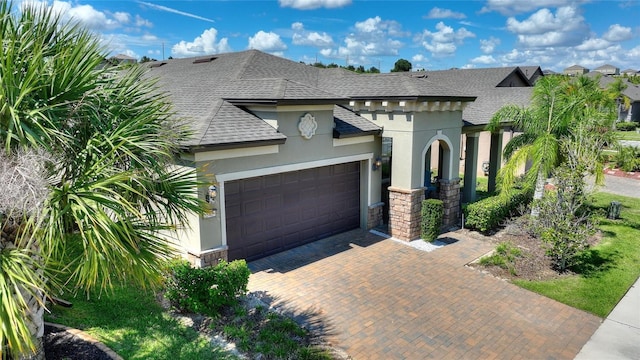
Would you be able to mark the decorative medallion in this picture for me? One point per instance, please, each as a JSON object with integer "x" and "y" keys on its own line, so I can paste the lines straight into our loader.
{"x": 307, "y": 126}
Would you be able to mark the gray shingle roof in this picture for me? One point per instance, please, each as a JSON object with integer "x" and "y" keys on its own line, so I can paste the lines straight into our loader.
{"x": 210, "y": 92}
{"x": 483, "y": 83}
{"x": 348, "y": 124}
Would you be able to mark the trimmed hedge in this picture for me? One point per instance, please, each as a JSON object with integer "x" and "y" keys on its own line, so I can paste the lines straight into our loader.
{"x": 488, "y": 213}
{"x": 432, "y": 211}
{"x": 626, "y": 126}
{"x": 205, "y": 290}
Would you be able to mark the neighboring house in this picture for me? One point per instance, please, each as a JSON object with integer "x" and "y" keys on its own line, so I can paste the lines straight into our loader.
{"x": 123, "y": 59}
{"x": 608, "y": 70}
{"x": 533, "y": 73}
{"x": 575, "y": 70}
{"x": 632, "y": 113}
{"x": 289, "y": 153}
{"x": 630, "y": 72}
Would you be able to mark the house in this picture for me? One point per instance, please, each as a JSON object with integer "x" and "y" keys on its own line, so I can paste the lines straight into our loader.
{"x": 123, "y": 59}
{"x": 575, "y": 70}
{"x": 289, "y": 153}
{"x": 630, "y": 72}
{"x": 607, "y": 70}
{"x": 632, "y": 92}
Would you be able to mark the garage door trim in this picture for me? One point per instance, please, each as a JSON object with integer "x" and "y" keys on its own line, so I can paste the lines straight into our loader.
{"x": 221, "y": 178}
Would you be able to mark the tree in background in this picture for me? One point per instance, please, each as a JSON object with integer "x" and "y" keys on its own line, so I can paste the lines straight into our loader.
{"x": 89, "y": 150}
{"x": 401, "y": 65}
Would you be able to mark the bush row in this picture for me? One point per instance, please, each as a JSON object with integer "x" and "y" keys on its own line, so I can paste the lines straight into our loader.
{"x": 627, "y": 158}
{"x": 432, "y": 211}
{"x": 626, "y": 126}
{"x": 487, "y": 214}
{"x": 205, "y": 290}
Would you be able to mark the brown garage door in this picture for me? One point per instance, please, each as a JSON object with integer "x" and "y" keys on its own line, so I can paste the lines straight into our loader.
{"x": 269, "y": 214}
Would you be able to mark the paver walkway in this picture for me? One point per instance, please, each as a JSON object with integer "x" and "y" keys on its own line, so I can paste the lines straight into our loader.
{"x": 384, "y": 300}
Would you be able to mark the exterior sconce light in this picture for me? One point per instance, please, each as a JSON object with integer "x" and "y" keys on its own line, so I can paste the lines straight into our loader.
{"x": 210, "y": 197}
{"x": 377, "y": 163}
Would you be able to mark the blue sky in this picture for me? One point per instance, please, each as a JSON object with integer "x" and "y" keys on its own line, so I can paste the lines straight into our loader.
{"x": 430, "y": 34}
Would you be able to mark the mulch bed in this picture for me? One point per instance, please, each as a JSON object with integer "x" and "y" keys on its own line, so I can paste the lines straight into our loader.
{"x": 59, "y": 344}
{"x": 533, "y": 264}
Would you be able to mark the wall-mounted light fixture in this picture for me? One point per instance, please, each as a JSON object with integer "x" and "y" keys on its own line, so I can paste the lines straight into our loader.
{"x": 377, "y": 163}
{"x": 210, "y": 197}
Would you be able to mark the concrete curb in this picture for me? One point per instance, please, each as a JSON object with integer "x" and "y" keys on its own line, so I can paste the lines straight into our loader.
{"x": 86, "y": 337}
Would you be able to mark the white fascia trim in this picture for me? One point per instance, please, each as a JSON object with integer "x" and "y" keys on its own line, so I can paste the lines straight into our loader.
{"x": 292, "y": 167}
{"x": 353, "y": 140}
{"x": 304, "y": 108}
{"x": 236, "y": 153}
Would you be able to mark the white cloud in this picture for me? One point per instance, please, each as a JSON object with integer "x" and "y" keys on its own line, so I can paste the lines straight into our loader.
{"x": 267, "y": 41}
{"x": 140, "y": 22}
{"x": 310, "y": 38}
{"x": 314, "y": 4}
{"x": 444, "y": 41}
{"x": 484, "y": 59}
{"x": 593, "y": 44}
{"x": 617, "y": 33}
{"x": 566, "y": 27}
{"x": 489, "y": 45}
{"x": 513, "y": 7}
{"x": 206, "y": 43}
{"x": 122, "y": 17}
{"x": 438, "y": 13}
{"x": 371, "y": 37}
{"x": 418, "y": 58}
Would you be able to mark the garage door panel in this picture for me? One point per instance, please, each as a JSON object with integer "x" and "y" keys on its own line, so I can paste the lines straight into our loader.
{"x": 272, "y": 213}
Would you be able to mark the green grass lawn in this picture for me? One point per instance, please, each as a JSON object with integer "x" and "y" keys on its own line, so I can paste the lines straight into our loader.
{"x": 628, "y": 135}
{"x": 131, "y": 323}
{"x": 608, "y": 270}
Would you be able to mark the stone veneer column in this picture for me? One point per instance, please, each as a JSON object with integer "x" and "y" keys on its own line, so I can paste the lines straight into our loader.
{"x": 450, "y": 196}
{"x": 404, "y": 213}
{"x": 208, "y": 258}
{"x": 374, "y": 215}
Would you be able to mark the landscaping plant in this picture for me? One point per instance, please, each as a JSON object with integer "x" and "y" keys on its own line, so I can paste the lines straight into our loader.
{"x": 206, "y": 290}
{"x": 102, "y": 192}
{"x": 432, "y": 212}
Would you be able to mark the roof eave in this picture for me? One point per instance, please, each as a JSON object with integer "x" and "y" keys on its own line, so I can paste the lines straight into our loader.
{"x": 235, "y": 145}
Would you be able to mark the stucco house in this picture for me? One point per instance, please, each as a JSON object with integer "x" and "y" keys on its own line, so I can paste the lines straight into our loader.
{"x": 630, "y": 72}
{"x": 575, "y": 70}
{"x": 632, "y": 92}
{"x": 289, "y": 153}
{"x": 607, "y": 70}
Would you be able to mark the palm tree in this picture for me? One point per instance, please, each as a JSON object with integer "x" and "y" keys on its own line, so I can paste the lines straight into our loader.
{"x": 615, "y": 91}
{"x": 104, "y": 194}
{"x": 561, "y": 109}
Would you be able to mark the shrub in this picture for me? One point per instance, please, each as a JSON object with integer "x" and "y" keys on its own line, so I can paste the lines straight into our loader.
{"x": 564, "y": 223}
{"x": 504, "y": 256}
{"x": 488, "y": 213}
{"x": 205, "y": 290}
{"x": 626, "y": 126}
{"x": 627, "y": 158}
{"x": 432, "y": 210}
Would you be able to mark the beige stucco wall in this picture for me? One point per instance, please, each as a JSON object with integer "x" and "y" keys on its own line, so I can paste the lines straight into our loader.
{"x": 295, "y": 154}
{"x": 484, "y": 147}
{"x": 412, "y": 133}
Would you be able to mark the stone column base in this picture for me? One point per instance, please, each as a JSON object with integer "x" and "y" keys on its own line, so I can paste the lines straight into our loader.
{"x": 404, "y": 213}
{"x": 374, "y": 215}
{"x": 450, "y": 196}
{"x": 208, "y": 258}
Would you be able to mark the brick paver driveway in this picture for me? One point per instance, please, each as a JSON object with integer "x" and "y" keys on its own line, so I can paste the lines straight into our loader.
{"x": 384, "y": 300}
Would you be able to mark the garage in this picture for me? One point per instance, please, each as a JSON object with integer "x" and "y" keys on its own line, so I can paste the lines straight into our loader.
{"x": 273, "y": 213}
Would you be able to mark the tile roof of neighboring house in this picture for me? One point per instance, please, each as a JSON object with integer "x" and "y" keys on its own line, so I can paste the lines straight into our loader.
{"x": 632, "y": 91}
{"x": 210, "y": 91}
{"x": 605, "y": 67}
{"x": 531, "y": 71}
{"x": 629, "y": 71}
{"x": 123, "y": 57}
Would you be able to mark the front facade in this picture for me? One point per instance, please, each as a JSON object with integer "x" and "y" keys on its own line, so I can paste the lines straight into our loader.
{"x": 607, "y": 70}
{"x": 288, "y": 153}
{"x": 575, "y": 70}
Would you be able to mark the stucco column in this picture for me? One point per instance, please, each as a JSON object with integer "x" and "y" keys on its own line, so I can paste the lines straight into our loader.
{"x": 470, "y": 167}
{"x": 495, "y": 159}
{"x": 404, "y": 212}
